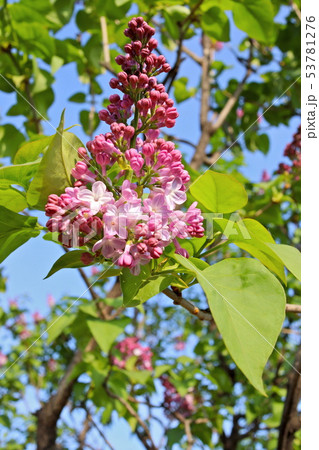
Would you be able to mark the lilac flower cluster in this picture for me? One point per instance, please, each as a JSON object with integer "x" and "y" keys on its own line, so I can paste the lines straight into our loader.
{"x": 174, "y": 402}
{"x": 130, "y": 347}
{"x": 293, "y": 152}
{"x": 129, "y": 184}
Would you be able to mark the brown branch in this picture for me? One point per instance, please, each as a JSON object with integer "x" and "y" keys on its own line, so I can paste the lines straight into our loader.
{"x": 293, "y": 308}
{"x": 179, "y": 300}
{"x": 209, "y": 127}
{"x": 133, "y": 413}
{"x": 191, "y": 54}
{"x": 106, "y": 63}
{"x": 49, "y": 413}
{"x": 290, "y": 421}
{"x": 296, "y": 9}
{"x": 203, "y": 314}
{"x": 105, "y": 40}
{"x": 184, "y": 25}
{"x": 92, "y": 421}
{"x": 83, "y": 433}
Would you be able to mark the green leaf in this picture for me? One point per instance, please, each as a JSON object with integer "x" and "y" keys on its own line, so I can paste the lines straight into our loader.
{"x": 248, "y": 306}
{"x": 262, "y": 142}
{"x": 19, "y": 174}
{"x": 89, "y": 125}
{"x": 153, "y": 286}
{"x": 10, "y": 140}
{"x": 138, "y": 376}
{"x": 130, "y": 284}
{"x": 69, "y": 260}
{"x": 15, "y": 230}
{"x": 13, "y": 199}
{"x": 54, "y": 173}
{"x": 181, "y": 92}
{"x": 219, "y": 192}
{"x": 58, "y": 325}
{"x": 172, "y": 15}
{"x": 32, "y": 150}
{"x": 79, "y": 97}
{"x": 290, "y": 256}
{"x": 105, "y": 332}
{"x": 35, "y": 39}
{"x": 256, "y": 18}
{"x": 254, "y": 238}
{"x": 215, "y": 24}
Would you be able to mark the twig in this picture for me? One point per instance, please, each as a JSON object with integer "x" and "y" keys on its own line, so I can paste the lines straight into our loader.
{"x": 170, "y": 77}
{"x": 89, "y": 416}
{"x": 205, "y": 315}
{"x": 133, "y": 413}
{"x": 105, "y": 41}
{"x": 208, "y": 127}
{"x": 106, "y": 63}
{"x": 49, "y": 414}
{"x": 179, "y": 300}
{"x": 296, "y": 9}
{"x": 290, "y": 421}
{"x": 293, "y": 308}
{"x": 191, "y": 54}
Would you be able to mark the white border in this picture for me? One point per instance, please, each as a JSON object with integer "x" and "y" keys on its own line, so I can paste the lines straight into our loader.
{"x": 310, "y": 243}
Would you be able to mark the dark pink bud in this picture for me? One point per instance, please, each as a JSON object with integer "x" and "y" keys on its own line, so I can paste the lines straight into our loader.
{"x": 87, "y": 258}
{"x": 82, "y": 152}
{"x": 114, "y": 83}
{"x": 148, "y": 149}
{"x": 125, "y": 260}
{"x": 142, "y": 247}
{"x": 120, "y": 59}
{"x": 133, "y": 80}
{"x": 114, "y": 98}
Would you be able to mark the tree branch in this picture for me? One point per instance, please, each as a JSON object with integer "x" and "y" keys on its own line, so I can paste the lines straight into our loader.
{"x": 204, "y": 314}
{"x": 290, "y": 421}
{"x": 106, "y": 63}
{"x": 133, "y": 413}
{"x": 49, "y": 413}
{"x": 210, "y": 127}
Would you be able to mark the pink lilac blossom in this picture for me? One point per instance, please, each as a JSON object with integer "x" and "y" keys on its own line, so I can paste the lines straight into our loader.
{"x": 240, "y": 113}
{"x": 50, "y": 300}
{"x": 174, "y": 402}
{"x": 37, "y": 317}
{"x": 293, "y": 152}
{"x": 3, "y": 359}
{"x": 52, "y": 365}
{"x": 126, "y": 202}
{"x": 265, "y": 176}
{"x": 130, "y": 347}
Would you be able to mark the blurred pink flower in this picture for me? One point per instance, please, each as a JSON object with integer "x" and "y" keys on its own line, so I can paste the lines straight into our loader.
{"x": 51, "y": 300}
{"x": 259, "y": 118}
{"x": 37, "y": 317}
{"x": 131, "y": 347}
{"x": 180, "y": 345}
{"x": 94, "y": 271}
{"x": 25, "y": 334}
{"x": 219, "y": 46}
{"x": 265, "y": 176}
{"x": 21, "y": 320}
{"x": 52, "y": 365}
{"x": 3, "y": 359}
{"x": 240, "y": 113}
{"x": 13, "y": 303}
